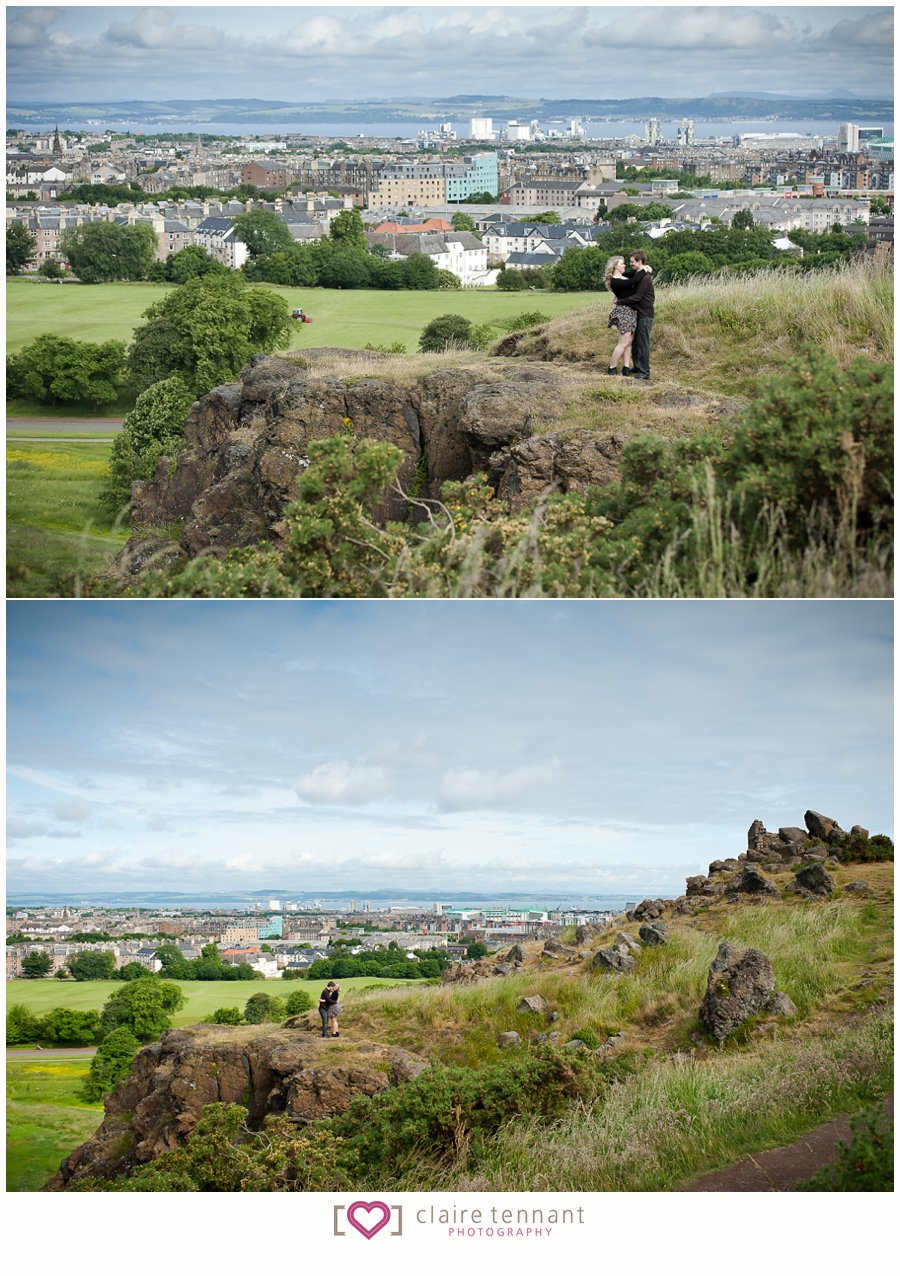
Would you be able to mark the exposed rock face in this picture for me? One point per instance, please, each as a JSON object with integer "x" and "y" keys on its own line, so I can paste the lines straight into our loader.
{"x": 823, "y": 826}
{"x": 740, "y": 985}
{"x": 246, "y": 444}
{"x": 816, "y": 878}
{"x": 266, "y": 1070}
{"x": 617, "y": 958}
{"x": 654, "y": 933}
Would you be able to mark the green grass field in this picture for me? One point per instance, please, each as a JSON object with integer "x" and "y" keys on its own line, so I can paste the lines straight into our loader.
{"x": 56, "y": 532}
{"x": 355, "y": 318}
{"x": 46, "y": 1119}
{"x": 201, "y": 997}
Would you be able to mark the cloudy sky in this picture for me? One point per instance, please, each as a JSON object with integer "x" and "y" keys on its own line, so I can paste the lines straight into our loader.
{"x": 579, "y": 747}
{"x": 310, "y": 53}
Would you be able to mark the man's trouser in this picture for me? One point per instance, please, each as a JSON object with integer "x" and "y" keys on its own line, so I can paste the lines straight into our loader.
{"x": 640, "y": 347}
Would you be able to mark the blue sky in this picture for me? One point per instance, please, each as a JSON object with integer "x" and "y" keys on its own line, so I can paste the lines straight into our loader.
{"x": 591, "y": 747}
{"x": 313, "y": 52}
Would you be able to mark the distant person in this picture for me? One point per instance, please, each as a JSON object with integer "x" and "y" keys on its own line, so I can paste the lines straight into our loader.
{"x": 642, "y": 300}
{"x": 334, "y": 1011}
{"x": 328, "y": 998}
{"x": 622, "y": 318}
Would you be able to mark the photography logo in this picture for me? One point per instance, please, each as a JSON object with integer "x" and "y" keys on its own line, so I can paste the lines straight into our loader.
{"x": 368, "y": 1218}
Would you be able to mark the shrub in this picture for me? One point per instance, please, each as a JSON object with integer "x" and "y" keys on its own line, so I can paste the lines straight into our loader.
{"x": 261, "y": 1008}
{"x": 865, "y": 850}
{"x": 21, "y": 1025}
{"x": 445, "y": 332}
{"x": 226, "y": 1014}
{"x": 111, "y": 1062}
{"x": 154, "y": 428}
{"x": 54, "y": 370}
{"x": 297, "y": 1002}
{"x": 866, "y": 1163}
{"x": 74, "y": 1027}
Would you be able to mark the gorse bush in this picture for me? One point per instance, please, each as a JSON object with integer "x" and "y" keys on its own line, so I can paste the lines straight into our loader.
{"x": 866, "y": 1163}
{"x": 854, "y": 849}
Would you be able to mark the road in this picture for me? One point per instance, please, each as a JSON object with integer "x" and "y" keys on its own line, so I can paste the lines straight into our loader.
{"x": 70, "y": 1052}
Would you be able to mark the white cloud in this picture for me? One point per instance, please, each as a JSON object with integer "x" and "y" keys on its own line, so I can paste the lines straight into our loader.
{"x": 75, "y": 811}
{"x": 466, "y": 789}
{"x": 344, "y": 782}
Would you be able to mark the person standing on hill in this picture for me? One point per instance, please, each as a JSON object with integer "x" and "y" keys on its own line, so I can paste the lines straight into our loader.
{"x": 642, "y": 300}
{"x": 326, "y": 1001}
{"x": 622, "y": 318}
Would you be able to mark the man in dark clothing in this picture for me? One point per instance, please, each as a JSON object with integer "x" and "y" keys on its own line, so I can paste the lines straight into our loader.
{"x": 326, "y": 1001}
{"x": 642, "y": 300}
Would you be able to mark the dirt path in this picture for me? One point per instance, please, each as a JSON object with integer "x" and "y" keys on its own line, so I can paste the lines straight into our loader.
{"x": 783, "y": 1169}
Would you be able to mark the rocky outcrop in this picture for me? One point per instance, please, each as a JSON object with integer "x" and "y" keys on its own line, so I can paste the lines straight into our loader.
{"x": 740, "y": 985}
{"x": 266, "y": 1070}
{"x": 246, "y": 445}
{"x": 647, "y": 910}
{"x": 816, "y": 878}
{"x": 617, "y": 958}
{"x": 822, "y": 826}
{"x": 654, "y": 933}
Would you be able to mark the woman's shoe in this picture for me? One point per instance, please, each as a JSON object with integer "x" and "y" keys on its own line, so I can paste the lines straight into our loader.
{"x": 626, "y": 371}
{"x": 612, "y": 372}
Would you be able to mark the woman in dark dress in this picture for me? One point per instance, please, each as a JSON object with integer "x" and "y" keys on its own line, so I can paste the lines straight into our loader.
{"x": 622, "y": 318}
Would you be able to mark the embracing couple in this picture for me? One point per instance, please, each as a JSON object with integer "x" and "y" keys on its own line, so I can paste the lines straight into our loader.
{"x": 631, "y": 315}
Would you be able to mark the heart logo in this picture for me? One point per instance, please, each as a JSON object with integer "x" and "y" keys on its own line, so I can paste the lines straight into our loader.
{"x": 376, "y": 1209}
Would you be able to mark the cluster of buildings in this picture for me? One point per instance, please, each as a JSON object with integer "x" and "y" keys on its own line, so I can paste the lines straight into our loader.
{"x": 274, "y": 940}
{"x": 785, "y": 181}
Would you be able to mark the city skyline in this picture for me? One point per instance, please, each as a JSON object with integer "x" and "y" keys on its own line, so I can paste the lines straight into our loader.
{"x": 311, "y": 53}
{"x": 599, "y": 748}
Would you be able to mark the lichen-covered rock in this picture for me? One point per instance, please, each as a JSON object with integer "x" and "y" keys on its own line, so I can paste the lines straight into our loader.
{"x": 534, "y": 1005}
{"x": 740, "y": 985}
{"x": 654, "y": 933}
{"x": 613, "y": 959}
{"x": 859, "y": 887}
{"x": 509, "y": 1040}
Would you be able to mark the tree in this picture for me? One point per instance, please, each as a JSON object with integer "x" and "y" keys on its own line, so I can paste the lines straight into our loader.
{"x": 348, "y": 229}
{"x": 53, "y": 369}
{"x": 20, "y": 248}
{"x": 297, "y": 1002}
{"x": 226, "y": 1014}
{"x": 206, "y": 330}
{"x": 21, "y": 1025}
{"x": 100, "y": 252}
{"x": 477, "y": 949}
{"x": 111, "y": 1062}
{"x": 92, "y": 966}
{"x": 682, "y": 265}
{"x": 462, "y": 221}
{"x": 420, "y": 272}
{"x": 742, "y": 220}
{"x": 144, "y": 1006}
{"x": 132, "y": 970}
{"x": 263, "y": 232}
{"x": 262, "y": 1008}
{"x": 75, "y": 1027}
{"x": 36, "y": 965}
{"x": 154, "y": 428}
{"x": 191, "y": 263}
{"x": 52, "y": 270}
{"x": 445, "y": 332}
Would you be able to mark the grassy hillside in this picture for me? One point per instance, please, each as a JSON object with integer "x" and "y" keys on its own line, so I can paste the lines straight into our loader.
{"x": 201, "y": 996}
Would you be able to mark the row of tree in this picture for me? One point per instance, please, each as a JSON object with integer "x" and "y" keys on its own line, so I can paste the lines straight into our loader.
{"x": 384, "y": 963}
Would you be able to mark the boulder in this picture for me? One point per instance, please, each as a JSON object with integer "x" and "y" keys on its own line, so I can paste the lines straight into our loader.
{"x": 509, "y": 1040}
{"x": 516, "y": 954}
{"x": 617, "y": 959}
{"x": 553, "y": 948}
{"x": 816, "y": 878}
{"x": 695, "y": 884}
{"x": 753, "y": 882}
{"x": 823, "y": 826}
{"x": 860, "y": 832}
{"x": 740, "y": 985}
{"x": 627, "y": 942}
{"x": 816, "y": 853}
{"x": 504, "y": 968}
{"x": 780, "y": 1004}
{"x": 724, "y": 866}
{"x": 654, "y": 933}
{"x": 534, "y": 1005}
{"x": 859, "y": 887}
{"x": 647, "y": 910}
{"x": 589, "y": 931}
{"x": 791, "y": 836}
{"x": 577, "y": 1044}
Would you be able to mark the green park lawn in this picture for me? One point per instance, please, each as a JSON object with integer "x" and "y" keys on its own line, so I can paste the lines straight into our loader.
{"x": 46, "y": 1119}
{"x": 57, "y": 533}
{"x": 352, "y": 318}
{"x": 202, "y": 997}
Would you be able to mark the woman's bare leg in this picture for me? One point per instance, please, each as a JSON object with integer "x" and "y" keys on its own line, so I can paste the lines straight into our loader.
{"x": 627, "y": 337}
{"x": 623, "y": 344}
